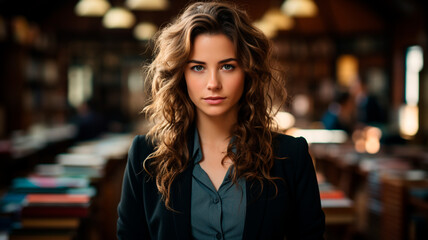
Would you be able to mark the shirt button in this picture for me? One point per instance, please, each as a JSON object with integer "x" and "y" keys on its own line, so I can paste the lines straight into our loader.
{"x": 216, "y": 200}
{"x": 218, "y": 236}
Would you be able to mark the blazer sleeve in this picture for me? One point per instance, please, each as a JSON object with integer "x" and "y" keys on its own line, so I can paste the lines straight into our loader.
{"x": 309, "y": 212}
{"x": 131, "y": 223}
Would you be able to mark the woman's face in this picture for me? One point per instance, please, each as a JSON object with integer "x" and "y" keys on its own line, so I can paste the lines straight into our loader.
{"x": 214, "y": 78}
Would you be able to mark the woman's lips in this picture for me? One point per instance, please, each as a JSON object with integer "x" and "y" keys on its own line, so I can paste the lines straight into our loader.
{"x": 214, "y": 100}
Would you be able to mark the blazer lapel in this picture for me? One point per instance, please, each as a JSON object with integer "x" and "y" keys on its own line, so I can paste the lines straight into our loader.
{"x": 180, "y": 202}
{"x": 256, "y": 204}
{"x": 181, "y": 197}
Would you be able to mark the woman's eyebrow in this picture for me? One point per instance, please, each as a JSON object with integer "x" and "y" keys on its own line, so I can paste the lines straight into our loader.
{"x": 195, "y": 61}
{"x": 228, "y": 60}
{"x": 222, "y": 61}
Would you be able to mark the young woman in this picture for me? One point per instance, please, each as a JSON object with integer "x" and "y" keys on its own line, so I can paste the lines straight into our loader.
{"x": 211, "y": 167}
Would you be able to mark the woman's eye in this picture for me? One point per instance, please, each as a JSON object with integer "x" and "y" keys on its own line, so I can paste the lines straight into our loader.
{"x": 197, "y": 68}
{"x": 228, "y": 67}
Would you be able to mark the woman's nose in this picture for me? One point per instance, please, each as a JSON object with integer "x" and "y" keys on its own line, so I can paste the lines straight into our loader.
{"x": 214, "y": 82}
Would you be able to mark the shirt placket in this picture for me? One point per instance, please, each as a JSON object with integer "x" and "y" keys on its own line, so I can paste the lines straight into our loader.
{"x": 217, "y": 202}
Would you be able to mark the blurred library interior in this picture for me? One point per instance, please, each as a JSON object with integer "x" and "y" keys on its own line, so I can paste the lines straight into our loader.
{"x": 71, "y": 92}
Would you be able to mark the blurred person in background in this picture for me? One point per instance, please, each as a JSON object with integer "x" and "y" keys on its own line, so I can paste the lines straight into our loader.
{"x": 368, "y": 108}
{"x": 89, "y": 123}
{"x": 212, "y": 166}
{"x": 340, "y": 113}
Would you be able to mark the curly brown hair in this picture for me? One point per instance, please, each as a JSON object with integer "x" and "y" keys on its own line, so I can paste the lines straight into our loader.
{"x": 173, "y": 113}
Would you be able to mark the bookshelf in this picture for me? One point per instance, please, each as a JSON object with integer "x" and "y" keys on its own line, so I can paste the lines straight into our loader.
{"x": 400, "y": 208}
{"x": 33, "y": 86}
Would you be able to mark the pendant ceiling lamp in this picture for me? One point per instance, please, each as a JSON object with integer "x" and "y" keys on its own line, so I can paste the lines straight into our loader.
{"x": 268, "y": 29}
{"x": 91, "y": 8}
{"x": 279, "y": 19}
{"x": 148, "y": 5}
{"x": 299, "y": 8}
{"x": 118, "y": 17}
{"x": 144, "y": 31}
{"x": 274, "y": 20}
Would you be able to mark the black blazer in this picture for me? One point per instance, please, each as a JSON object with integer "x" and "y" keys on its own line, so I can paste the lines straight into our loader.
{"x": 295, "y": 212}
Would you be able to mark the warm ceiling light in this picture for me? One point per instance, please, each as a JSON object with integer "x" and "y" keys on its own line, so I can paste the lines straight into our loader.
{"x": 118, "y": 17}
{"x": 299, "y": 8}
{"x": 147, "y": 4}
{"x": 145, "y": 31}
{"x": 280, "y": 20}
{"x": 272, "y": 21}
{"x": 346, "y": 69}
{"x": 408, "y": 121}
{"x": 268, "y": 29}
{"x": 92, "y": 8}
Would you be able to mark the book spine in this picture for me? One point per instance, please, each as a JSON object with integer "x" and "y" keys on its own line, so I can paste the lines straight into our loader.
{"x": 55, "y": 212}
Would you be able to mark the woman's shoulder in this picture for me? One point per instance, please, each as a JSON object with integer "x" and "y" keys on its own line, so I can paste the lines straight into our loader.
{"x": 292, "y": 157}
{"x": 288, "y": 140}
{"x": 139, "y": 150}
{"x": 288, "y": 146}
{"x": 141, "y": 144}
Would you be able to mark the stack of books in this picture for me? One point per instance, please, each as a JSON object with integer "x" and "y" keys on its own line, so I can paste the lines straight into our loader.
{"x": 60, "y": 205}
{"x": 43, "y": 184}
{"x": 110, "y": 146}
{"x": 54, "y": 196}
{"x": 52, "y": 202}
{"x": 85, "y": 165}
{"x": 338, "y": 208}
{"x": 334, "y": 198}
{"x": 49, "y": 207}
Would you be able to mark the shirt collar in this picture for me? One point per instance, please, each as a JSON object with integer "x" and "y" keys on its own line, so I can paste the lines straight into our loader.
{"x": 197, "y": 154}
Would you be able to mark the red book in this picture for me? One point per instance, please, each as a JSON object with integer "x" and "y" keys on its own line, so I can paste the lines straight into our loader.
{"x": 57, "y": 199}
{"x": 333, "y": 194}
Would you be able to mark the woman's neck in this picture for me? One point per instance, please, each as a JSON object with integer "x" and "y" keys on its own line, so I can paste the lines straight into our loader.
{"x": 214, "y": 131}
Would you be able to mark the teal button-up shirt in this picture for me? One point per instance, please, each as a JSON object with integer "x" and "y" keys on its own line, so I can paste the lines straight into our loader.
{"x": 216, "y": 214}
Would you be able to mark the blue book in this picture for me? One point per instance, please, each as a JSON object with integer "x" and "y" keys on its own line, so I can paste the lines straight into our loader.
{"x": 11, "y": 205}
{"x": 47, "y": 184}
{"x": 11, "y": 202}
